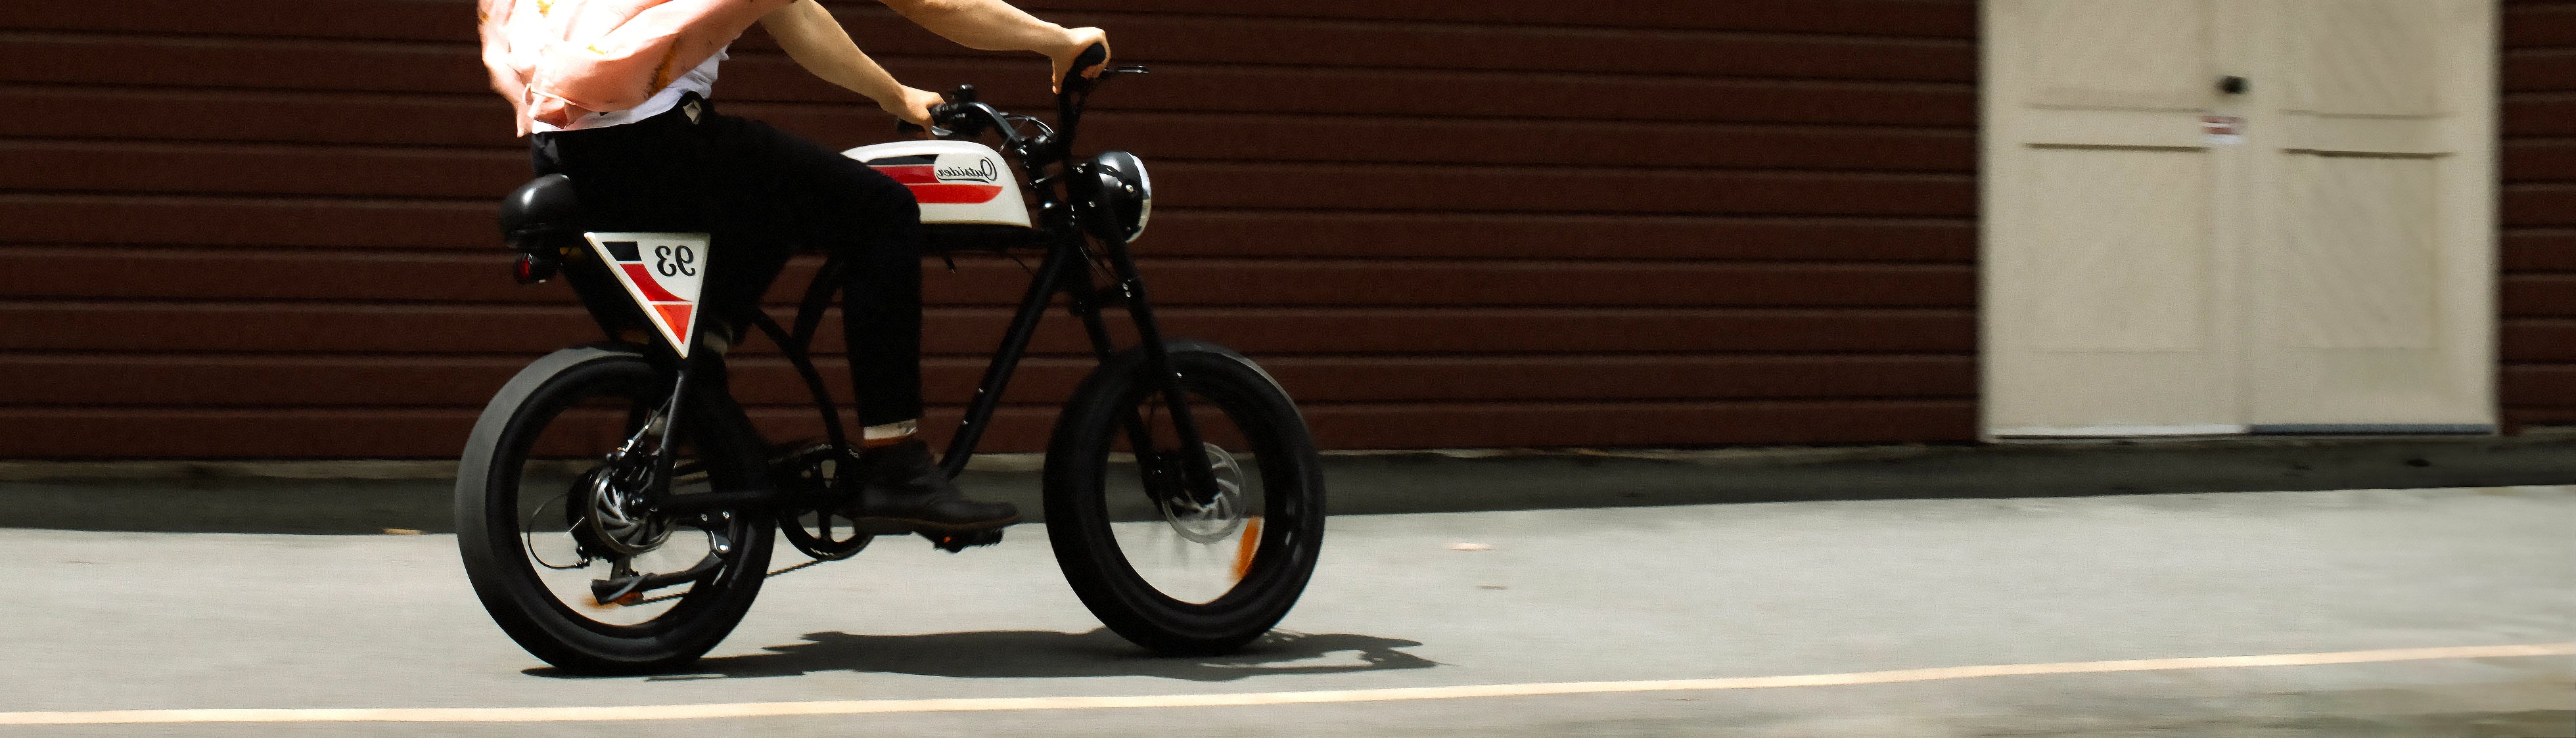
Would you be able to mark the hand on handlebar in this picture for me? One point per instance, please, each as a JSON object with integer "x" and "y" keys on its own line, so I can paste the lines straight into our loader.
{"x": 913, "y": 106}
{"x": 1077, "y": 41}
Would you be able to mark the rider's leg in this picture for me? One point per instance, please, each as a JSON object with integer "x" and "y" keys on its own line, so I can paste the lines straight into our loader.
{"x": 881, "y": 321}
{"x": 881, "y": 307}
{"x": 655, "y": 175}
{"x": 743, "y": 262}
{"x": 721, "y": 429}
{"x": 873, "y": 222}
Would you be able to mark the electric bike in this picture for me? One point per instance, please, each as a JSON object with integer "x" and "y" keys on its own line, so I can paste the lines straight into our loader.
{"x": 610, "y": 526}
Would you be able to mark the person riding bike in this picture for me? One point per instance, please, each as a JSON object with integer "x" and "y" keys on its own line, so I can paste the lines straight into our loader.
{"x": 614, "y": 94}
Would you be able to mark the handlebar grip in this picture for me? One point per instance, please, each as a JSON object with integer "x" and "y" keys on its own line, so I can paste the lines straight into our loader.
{"x": 1091, "y": 56}
{"x": 943, "y": 121}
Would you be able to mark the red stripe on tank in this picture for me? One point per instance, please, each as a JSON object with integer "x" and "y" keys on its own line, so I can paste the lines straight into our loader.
{"x": 921, "y": 174}
{"x": 954, "y": 194}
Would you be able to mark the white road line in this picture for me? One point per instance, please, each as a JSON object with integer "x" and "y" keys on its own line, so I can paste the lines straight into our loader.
{"x": 988, "y": 704}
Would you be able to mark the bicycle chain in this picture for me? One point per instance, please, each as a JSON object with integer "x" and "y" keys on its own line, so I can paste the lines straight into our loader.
{"x": 677, "y": 595}
{"x": 807, "y": 563}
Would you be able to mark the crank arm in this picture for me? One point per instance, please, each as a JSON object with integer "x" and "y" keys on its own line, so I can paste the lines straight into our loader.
{"x": 625, "y": 590}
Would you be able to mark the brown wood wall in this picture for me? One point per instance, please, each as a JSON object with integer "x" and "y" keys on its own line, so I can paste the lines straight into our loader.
{"x": 262, "y": 228}
{"x": 2539, "y": 213}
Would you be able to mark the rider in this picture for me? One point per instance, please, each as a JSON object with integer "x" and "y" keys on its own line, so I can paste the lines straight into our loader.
{"x": 615, "y": 91}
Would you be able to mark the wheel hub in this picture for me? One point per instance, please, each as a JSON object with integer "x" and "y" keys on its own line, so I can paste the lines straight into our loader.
{"x": 1222, "y": 516}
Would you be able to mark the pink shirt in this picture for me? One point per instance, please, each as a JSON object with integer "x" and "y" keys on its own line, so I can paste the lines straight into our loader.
{"x": 557, "y": 60}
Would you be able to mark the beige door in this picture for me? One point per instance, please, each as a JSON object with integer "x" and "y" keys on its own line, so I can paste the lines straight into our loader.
{"x": 2371, "y": 286}
{"x": 2305, "y": 250}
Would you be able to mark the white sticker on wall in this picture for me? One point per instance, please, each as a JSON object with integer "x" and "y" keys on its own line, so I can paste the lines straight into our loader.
{"x": 2222, "y": 130}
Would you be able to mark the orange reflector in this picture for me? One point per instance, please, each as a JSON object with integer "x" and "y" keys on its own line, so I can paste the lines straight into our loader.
{"x": 1244, "y": 549}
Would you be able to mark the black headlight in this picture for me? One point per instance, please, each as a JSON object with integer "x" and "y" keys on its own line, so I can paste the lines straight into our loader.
{"x": 1112, "y": 196}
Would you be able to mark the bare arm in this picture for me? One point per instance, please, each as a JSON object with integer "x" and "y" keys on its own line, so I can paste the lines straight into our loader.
{"x": 994, "y": 25}
{"x": 815, "y": 40}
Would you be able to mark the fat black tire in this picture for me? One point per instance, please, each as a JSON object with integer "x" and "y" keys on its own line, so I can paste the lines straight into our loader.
{"x": 487, "y": 532}
{"x": 1078, "y": 524}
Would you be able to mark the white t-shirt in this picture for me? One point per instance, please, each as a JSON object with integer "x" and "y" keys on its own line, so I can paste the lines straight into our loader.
{"x": 701, "y": 80}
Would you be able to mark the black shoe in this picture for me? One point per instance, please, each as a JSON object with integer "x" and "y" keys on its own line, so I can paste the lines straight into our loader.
{"x": 900, "y": 491}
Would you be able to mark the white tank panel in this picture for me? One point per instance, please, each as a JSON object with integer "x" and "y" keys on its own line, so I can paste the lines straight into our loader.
{"x": 956, "y": 181}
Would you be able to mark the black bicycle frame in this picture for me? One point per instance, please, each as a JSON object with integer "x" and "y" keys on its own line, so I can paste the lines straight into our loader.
{"x": 1066, "y": 268}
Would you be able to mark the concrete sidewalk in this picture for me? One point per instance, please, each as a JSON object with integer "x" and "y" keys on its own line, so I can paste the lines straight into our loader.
{"x": 1612, "y": 597}
{"x": 366, "y": 497}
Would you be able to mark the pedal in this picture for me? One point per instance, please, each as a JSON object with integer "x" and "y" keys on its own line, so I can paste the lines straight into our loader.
{"x": 956, "y": 542}
{"x": 629, "y": 589}
{"x": 626, "y": 590}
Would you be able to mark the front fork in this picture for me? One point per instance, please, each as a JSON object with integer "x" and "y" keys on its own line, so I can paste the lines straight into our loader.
{"x": 1062, "y": 271}
{"x": 1198, "y": 477}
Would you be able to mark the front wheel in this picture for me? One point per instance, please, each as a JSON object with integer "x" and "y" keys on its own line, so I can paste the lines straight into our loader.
{"x": 1169, "y": 572}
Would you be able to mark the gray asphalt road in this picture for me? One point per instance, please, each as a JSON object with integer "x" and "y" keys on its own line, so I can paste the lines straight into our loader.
{"x": 116, "y": 621}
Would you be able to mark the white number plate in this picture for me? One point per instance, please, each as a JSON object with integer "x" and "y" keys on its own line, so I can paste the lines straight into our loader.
{"x": 663, "y": 272}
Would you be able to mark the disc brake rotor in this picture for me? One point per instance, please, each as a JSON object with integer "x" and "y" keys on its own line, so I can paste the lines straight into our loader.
{"x": 1219, "y": 518}
{"x": 615, "y": 518}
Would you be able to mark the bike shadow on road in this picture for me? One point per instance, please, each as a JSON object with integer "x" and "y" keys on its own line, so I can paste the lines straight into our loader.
{"x": 1043, "y": 653}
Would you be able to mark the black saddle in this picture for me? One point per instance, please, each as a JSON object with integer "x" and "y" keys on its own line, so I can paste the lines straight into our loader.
{"x": 545, "y": 206}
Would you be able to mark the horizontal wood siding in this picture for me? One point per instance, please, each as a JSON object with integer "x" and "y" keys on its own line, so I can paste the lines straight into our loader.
{"x": 262, "y": 228}
{"x": 2539, "y": 213}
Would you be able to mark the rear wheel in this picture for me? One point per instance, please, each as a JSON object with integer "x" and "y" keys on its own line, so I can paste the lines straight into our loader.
{"x": 557, "y": 542}
{"x": 1158, "y": 567}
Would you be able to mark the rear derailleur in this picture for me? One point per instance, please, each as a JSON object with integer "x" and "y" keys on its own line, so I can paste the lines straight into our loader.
{"x": 611, "y": 519}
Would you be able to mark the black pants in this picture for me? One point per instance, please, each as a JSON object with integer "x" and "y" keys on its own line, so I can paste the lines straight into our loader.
{"x": 763, "y": 195}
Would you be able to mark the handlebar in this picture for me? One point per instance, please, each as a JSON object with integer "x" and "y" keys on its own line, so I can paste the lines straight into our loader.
{"x": 963, "y": 116}
{"x": 960, "y": 114}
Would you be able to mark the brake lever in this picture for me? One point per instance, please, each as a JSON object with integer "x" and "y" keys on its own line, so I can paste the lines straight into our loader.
{"x": 906, "y": 128}
{"x": 1086, "y": 84}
